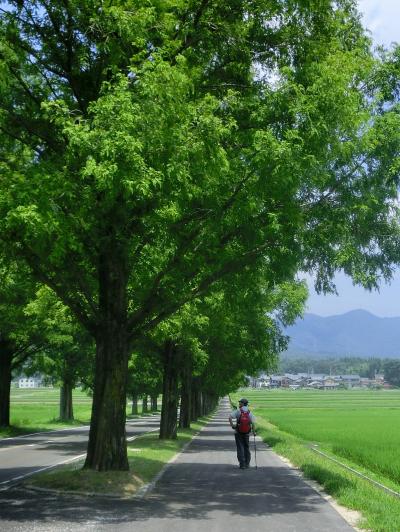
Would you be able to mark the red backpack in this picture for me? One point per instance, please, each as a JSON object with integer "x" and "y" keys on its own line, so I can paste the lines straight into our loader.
{"x": 244, "y": 422}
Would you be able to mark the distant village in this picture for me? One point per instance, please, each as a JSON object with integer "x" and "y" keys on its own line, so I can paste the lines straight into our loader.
{"x": 317, "y": 381}
{"x": 292, "y": 381}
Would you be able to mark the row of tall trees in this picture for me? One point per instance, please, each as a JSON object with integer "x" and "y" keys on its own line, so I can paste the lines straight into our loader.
{"x": 163, "y": 161}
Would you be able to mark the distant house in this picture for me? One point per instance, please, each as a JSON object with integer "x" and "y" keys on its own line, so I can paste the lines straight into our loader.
{"x": 302, "y": 381}
{"x": 330, "y": 383}
{"x": 29, "y": 382}
{"x": 314, "y": 377}
{"x": 262, "y": 381}
{"x": 317, "y": 384}
{"x": 350, "y": 380}
{"x": 275, "y": 381}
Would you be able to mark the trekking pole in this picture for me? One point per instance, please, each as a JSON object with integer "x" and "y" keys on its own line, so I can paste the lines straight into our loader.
{"x": 255, "y": 449}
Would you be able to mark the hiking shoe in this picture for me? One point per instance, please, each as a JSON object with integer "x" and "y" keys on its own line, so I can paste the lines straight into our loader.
{"x": 242, "y": 467}
{"x": 246, "y": 466}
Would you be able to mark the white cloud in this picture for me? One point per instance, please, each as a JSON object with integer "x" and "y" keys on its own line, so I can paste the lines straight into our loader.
{"x": 381, "y": 17}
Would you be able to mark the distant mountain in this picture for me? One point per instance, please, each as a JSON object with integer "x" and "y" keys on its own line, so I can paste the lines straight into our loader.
{"x": 356, "y": 333}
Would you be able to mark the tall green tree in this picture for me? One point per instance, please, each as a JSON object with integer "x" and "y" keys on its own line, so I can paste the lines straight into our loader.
{"x": 68, "y": 351}
{"x": 150, "y": 149}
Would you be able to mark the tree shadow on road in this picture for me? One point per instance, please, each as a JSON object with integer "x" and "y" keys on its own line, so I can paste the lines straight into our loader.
{"x": 185, "y": 492}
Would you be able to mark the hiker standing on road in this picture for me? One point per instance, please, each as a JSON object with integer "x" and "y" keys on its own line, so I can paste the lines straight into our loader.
{"x": 245, "y": 423}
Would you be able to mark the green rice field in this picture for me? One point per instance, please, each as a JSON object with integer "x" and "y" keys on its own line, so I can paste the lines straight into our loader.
{"x": 39, "y": 407}
{"x": 35, "y": 409}
{"x": 362, "y": 426}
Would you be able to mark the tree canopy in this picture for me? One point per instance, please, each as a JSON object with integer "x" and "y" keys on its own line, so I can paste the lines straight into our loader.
{"x": 150, "y": 150}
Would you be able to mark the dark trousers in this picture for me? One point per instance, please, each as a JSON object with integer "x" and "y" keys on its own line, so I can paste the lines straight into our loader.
{"x": 243, "y": 449}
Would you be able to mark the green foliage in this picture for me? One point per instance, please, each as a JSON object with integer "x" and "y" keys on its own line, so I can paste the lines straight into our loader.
{"x": 153, "y": 153}
{"x": 391, "y": 370}
{"x": 243, "y": 333}
{"x": 194, "y": 165}
{"x": 145, "y": 372}
{"x": 18, "y": 336}
{"x": 365, "y": 367}
{"x": 68, "y": 353}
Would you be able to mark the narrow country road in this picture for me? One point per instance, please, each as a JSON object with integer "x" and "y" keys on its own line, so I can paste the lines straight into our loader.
{"x": 24, "y": 455}
{"x": 202, "y": 491}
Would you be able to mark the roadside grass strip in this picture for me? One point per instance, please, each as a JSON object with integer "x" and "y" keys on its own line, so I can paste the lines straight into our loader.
{"x": 342, "y": 446}
{"x": 147, "y": 456}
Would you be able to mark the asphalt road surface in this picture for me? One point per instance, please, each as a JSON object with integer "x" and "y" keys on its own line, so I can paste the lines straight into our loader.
{"x": 22, "y": 456}
{"x": 202, "y": 491}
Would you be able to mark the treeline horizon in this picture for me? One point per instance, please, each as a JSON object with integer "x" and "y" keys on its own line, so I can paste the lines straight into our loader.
{"x": 366, "y": 367}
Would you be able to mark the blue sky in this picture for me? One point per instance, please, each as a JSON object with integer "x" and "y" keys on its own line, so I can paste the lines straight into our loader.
{"x": 382, "y": 18}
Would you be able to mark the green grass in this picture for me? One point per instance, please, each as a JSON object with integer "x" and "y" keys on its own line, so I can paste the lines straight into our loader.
{"x": 36, "y": 410}
{"x": 147, "y": 456}
{"x": 360, "y": 428}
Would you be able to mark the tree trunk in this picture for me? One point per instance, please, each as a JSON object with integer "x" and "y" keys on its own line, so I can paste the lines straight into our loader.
{"x": 197, "y": 401}
{"x": 194, "y": 414}
{"x": 145, "y": 407}
{"x": 154, "y": 406}
{"x": 206, "y": 404}
{"x": 209, "y": 403}
{"x": 107, "y": 448}
{"x": 6, "y": 356}
{"x": 66, "y": 408}
{"x": 134, "y": 399}
{"x": 169, "y": 409}
{"x": 186, "y": 395}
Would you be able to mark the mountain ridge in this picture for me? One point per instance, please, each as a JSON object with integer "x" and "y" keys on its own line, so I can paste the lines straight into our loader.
{"x": 354, "y": 333}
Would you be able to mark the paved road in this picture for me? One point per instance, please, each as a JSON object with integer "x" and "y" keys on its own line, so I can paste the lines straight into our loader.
{"x": 202, "y": 491}
{"x": 25, "y": 455}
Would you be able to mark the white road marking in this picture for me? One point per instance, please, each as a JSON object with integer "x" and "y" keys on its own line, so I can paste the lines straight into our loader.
{"x": 130, "y": 422}
{"x": 7, "y": 483}
{"x": 147, "y": 431}
{"x": 43, "y": 432}
{"x": 20, "y": 477}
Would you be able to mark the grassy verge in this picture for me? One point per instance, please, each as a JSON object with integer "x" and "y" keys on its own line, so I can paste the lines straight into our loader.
{"x": 28, "y": 418}
{"x": 381, "y": 511}
{"x": 147, "y": 456}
